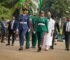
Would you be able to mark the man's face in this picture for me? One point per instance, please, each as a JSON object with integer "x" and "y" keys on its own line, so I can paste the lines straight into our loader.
{"x": 24, "y": 12}
{"x": 48, "y": 14}
{"x": 13, "y": 18}
{"x": 64, "y": 19}
{"x": 42, "y": 14}
{"x": 68, "y": 19}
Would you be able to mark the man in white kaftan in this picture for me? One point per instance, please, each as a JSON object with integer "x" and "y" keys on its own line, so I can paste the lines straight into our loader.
{"x": 48, "y": 37}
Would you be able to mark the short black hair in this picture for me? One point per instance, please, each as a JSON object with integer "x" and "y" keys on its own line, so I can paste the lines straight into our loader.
{"x": 24, "y": 9}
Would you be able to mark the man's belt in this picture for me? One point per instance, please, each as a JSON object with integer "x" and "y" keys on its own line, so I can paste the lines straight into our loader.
{"x": 23, "y": 22}
{"x": 42, "y": 24}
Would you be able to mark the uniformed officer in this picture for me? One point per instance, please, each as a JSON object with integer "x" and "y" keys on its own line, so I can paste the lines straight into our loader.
{"x": 42, "y": 27}
{"x": 24, "y": 29}
{"x": 33, "y": 29}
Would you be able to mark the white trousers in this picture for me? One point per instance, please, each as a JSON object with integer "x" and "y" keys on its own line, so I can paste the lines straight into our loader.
{"x": 48, "y": 39}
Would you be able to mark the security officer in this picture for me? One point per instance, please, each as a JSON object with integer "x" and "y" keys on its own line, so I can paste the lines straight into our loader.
{"x": 3, "y": 29}
{"x": 24, "y": 29}
{"x": 32, "y": 24}
{"x": 66, "y": 31}
{"x": 12, "y": 27}
{"x": 42, "y": 27}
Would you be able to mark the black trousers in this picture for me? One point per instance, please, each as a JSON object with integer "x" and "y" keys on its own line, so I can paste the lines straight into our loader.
{"x": 67, "y": 40}
{"x": 2, "y": 35}
{"x": 11, "y": 34}
{"x": 52, "y": 47}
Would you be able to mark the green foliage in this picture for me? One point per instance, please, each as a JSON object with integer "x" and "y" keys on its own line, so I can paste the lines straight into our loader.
{"x": 58, "y": 7}
{"x": 7, "y": 8}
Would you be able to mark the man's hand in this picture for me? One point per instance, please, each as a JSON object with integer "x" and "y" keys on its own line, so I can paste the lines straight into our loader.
{"x": 34, "y": 32}
{"x": 28, "y": 30}
{"x": 16, "y": 33}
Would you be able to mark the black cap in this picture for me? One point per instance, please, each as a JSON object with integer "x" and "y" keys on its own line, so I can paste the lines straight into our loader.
{"x": 24, "y": 9}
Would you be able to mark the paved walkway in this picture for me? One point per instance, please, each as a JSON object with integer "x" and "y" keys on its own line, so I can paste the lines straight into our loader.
{"x": 12, "y": 53}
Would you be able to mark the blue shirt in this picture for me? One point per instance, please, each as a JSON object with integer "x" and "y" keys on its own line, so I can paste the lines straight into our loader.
{"x": 23, "y": 22}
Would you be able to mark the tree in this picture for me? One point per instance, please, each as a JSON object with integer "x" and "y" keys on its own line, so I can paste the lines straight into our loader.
{"x": 57, "y": 7}
{"x": 7, "y": 8}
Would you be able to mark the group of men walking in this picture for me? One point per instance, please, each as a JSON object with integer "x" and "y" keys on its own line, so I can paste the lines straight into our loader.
{"x": 40, "y": 27}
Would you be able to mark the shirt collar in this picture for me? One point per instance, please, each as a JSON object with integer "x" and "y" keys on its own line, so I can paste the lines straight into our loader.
{"x": 24, "y": 14}
{"x": 42, "y": 17}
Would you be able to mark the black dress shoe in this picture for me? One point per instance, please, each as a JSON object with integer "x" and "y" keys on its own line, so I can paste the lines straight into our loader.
{"x": 51, "y": 47}
{"x": 2, "y": 42}
{"x": 7, "y": 44}
{"x": 21, "y": 48}
{"x": 67, "y": 49}
{"x": 27, "y": 47}
{"x": 39, "y": 49}
{"x": 33, "y": 47}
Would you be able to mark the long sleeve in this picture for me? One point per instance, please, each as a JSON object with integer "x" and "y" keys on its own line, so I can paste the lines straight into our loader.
{"x": 34, "y": 23}
{"x": 64, "y": 28}
{"x": 16, "y": 25}
{"x": 46, "y": 25}
{"x": 53, "y": 25}
{"x": 57, "y": 27}
{"x": 28, "y": 22}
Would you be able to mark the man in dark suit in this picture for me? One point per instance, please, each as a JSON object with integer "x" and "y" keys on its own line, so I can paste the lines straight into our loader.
{"x": 3, "y": 29}
{"x": 56, "y": 27}
{"x": 57, "y": 30}
{"x": 66, "y": 31}
{"x": 12, "y": 30}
